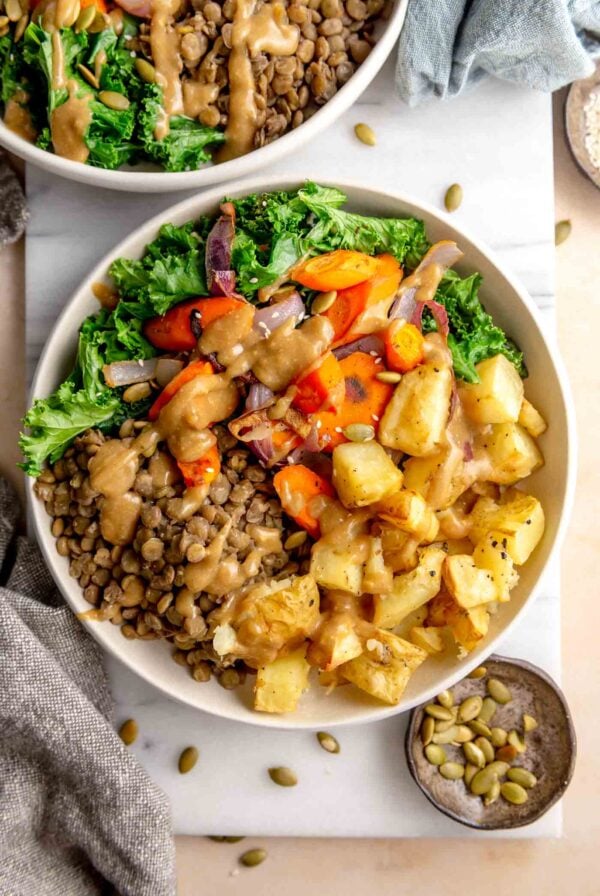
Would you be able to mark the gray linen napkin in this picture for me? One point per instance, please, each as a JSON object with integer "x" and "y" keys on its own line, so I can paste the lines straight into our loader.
{"x": 78, "y": 814}
{"x": 447, "y": 45}
{"x": 13, "y": 210}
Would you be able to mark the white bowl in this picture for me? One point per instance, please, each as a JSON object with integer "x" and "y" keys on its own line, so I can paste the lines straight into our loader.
{"x": 547, "y": 388}
{"x": 140, "y": 180}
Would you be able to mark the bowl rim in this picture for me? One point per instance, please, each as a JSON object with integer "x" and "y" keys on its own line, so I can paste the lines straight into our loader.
{"x": 411, "y": 737}
{"x": 187, "y": 208}
{"x": 165, "y": 181}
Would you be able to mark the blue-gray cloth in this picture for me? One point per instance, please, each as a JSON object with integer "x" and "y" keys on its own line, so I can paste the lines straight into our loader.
{"x": 448, "y": 45}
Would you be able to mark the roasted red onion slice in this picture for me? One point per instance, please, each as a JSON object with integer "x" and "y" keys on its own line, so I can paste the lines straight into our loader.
{"x": 220, "y": 277}
{"x": 259, "y": 396}
{"x": 404, "y": 306}
{"x": 166, "y": 369}
{"x": 368, "y": 344}
{"x": 126, "y": 373}
{"x": 270, "y": 317}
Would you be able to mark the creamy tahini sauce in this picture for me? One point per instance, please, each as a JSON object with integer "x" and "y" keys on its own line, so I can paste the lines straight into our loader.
{"x": 164, "y": 43}
{"x": 198, "y": 97}
{"x": 69, "y": 123}
{"x": 17, "y": 117}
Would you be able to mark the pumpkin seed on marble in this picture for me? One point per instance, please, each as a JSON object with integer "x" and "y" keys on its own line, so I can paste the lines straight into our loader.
{"x": 452, "y": 771}
{"x": 474, "y": 755}
{"x": 493, "y": 793}
{"x": 562, "y": 231}
{"x": 437, "y": 711}
{"x": 129, "y": 731}
{"x": 365, "y": 134}
{"x": 328, "y": 742}
{"x": 513, "y": 793}
{"x": 464, "y": 735}
{"x": 486, "y": 748}
{"x": 529, "y": 723}
{"x": 388, "y": 376}
{"x": 470, "y": 772}
{"x": 446, "y": 698}
{"x": 522, "y": 776}
{"x": 479, "y": 672}
{"x": 482, "y": 781}
{"x": 515, "y": 740}
{"x": 427, "y": 730}
{"x": 470, "y": 708}
{"x": 187, "y": 760}
{"x": 359, "y": 432}
{"x": 479, "y": 727}
{"x": 444, "y": 724}
{"x": 498, "y": 691}
{"x": 445, "y": 737}
{"x": 323, "y": 302}
{"x": 453, "y": 197}
{"x": 488, "y": 710}
{"x": 253, "y": 857}
{"x": 283, "y": 776}
{"x": 217, "y": 839}
{"x": 498, "y": 768}
{"x": 435, "y": 754}
{"x": 507, "y": 753}
{"x": 498, "y": 737}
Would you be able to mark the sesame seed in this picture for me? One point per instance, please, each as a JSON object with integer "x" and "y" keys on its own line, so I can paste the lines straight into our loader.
{"x": 253, "y": 279}
{"x": 338, "y": 429}
{"x": 375, "y": 418}
{"x": 210, "y": 469}
{"x": 373, "y": 354}
{"x": 319, "y": 424}
{"x": 237, "y": 349}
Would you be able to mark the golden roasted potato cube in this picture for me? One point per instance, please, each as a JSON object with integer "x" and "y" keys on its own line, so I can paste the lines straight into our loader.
{"x": 410, "y": 589}
{"x": 336, "y": 569}
{"x": 415, "y": 418}
{"x": 520, "y": 520}
{"x": 513, "y": 453}
{"x": 420, "y": 473}
{"x": 458, "y": 546}
{"x": 470, "y": 626}
{"x": 336, "y": 643}
{"x": 410, "y": 512}
{"x": 468, "y": 585}
{"x": 364, "y": 473}
{"x": 531, "y": 419}
{"x": 385, "y": 667}
{"x": 442, "y": 610}
{"x": 428, "y": 639}
{"x": 490, "y": 554}
{"x": 377, "y": 577}
{"x": 399, "y": 548}
{"x": 280, "y": 684}
{"x": 497, "y": 397}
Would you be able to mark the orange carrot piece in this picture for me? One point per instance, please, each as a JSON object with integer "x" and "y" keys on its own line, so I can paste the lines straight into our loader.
{"x": 403, "y": 346}
{"x": 201, "y": 471}
{"x": 173, "y": 331}
{"x": 365, "y": 400}
{"x": 297, "y": 487}
{"x": 99, "y": 4}
{"x": 351, "y": 302}
{"x": 321, "y": 388}
{"x": 334, "y": 270}
{"x": 196, "y": 368}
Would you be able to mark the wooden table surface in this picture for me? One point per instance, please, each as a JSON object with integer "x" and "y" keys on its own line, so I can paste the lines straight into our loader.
{"x": 390, "y": 867}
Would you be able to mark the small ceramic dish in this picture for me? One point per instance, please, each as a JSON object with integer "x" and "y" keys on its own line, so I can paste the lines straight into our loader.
{"x": 578, "y": 97}
{"x": 550, "y": 753}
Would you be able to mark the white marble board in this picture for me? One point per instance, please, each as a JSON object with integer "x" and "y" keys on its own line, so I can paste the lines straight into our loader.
{"x": 497, "y": 143}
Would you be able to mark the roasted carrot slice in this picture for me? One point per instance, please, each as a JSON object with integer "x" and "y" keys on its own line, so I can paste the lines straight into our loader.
{"x": 334, "y": 270}
{"x": 201, "y": 471}
{"x": 403, "y": 346}
{"x": 321, "y": 388}
{"x": 365, "y": 400}
{"x": 351, "y": 302}
{"x": 298, "y": 487}
{"x": 100, "y": 5}
{"x": 196, "y": 368}
{"x": 173, "y": 330}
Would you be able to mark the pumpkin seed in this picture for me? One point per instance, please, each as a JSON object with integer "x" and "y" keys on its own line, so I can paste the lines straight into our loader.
{"x": 129, "y": 731}
{"x": 498, "y": 691}
{"x": 283, "y": 776}
{"x": 452, "y": 771}
{"x": 463, "y": 735}
{"x": 359, "y": 432}
{"x": 439, "y": 712}
{"x": 482, "y": 781}
{"x": 474, "y": 755}
{"x": 145, "y": 70}
{"x": 4, "y": 20}
{"x": 435, "y": 755}
{"x": 486, "y": 748}
{"x": 323, "y": 302}
{"x": 388, "y": 376}
{"x": 470, "y": 772}
{"x": 445, "y": 737}
{"x": 515, "y": 740}
{"x": 479, "y": 672}
{"x": 514, "y": 793}
{"x": 444, "y": 724}
{"x": 114, "y": 100}
{"x": 507, "y": 753}
{"x": 479, "y": 727}
{"x": 493, "y": 793}
{"x": 498, "y": 737}
{"x": 498, "y": 768}
{"x": 365, "y": 134}
{"x": 13, "y": 10}
{"x": 328, "y": 742}
{"x": 488, "y": 709}
{"x": 453, "y": 197}
{"x": 89, "y": 76}
{"x": 522, "y": 776}
{"x": 85, "y": 18}
{"x": 295, "y": 540}
{"x": 427, "y": 730}
{"x": 188, "y": 760}
{"x": 20, "y": 27}
{"x": 562, "y": 231}
{"x": 529, "y": 724}
{"x": 446, "y": 698}
{"x": 226, "y": 839}
{"x": 253, "y": 857}
{"x": 470, "y": 708}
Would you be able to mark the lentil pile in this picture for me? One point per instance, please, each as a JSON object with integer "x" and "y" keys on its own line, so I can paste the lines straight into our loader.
{"x": 138, "y": 586}
{"x": 335, "y": 38}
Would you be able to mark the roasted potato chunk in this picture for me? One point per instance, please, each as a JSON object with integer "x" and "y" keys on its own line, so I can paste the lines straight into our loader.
{"x": 421, "y": 473}
{"x": 410, "y": 512}
{"x": 513, "y": 453}
{"x": 399, "y": 548}
{"x": 429, "y": 639}
{"x": 520, "y": 520}
{"x": 468, "y": 585}
{"x": 337, "y": 643}
{"x": 470, "y": 626}
{"x": 490, "y": 554}
{"x": 364, "y": 473}
{"x": 385, "y": 667}
{"x": 415, "y": 418}
{"x": 336, "y": 569}
{"x": 378, "y": 577}
{"x": 410, "y": 590}
{"x": 497, "y": 397}
{"x": 280, "y": 685}
{"x": 531, "y": 420}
